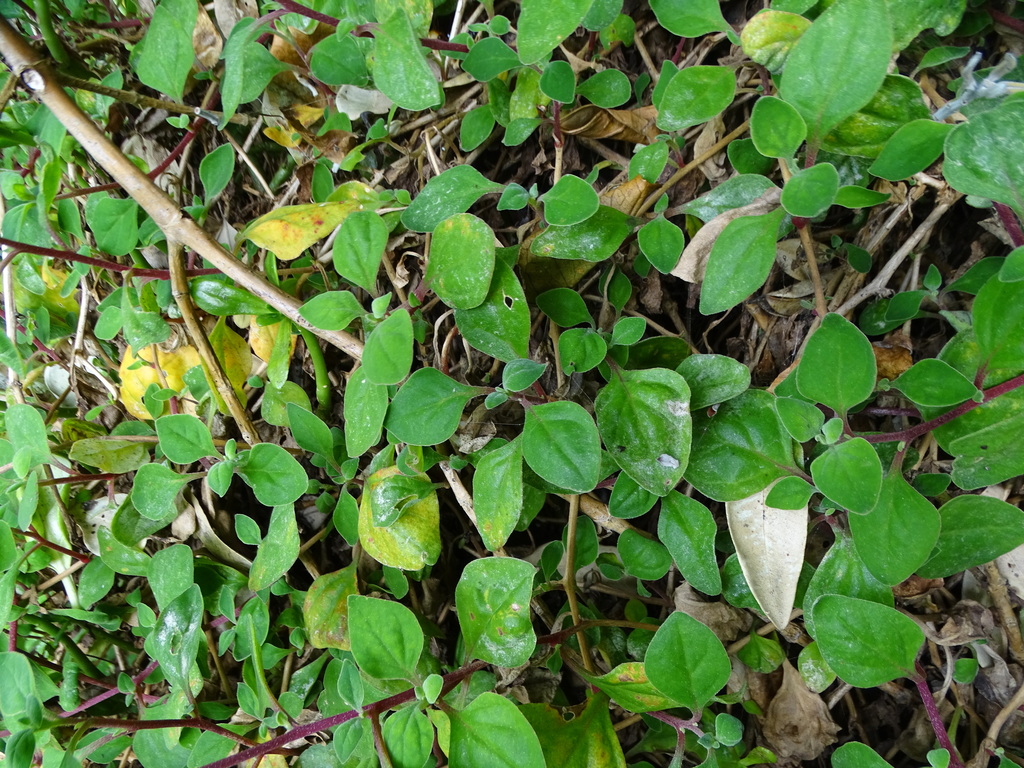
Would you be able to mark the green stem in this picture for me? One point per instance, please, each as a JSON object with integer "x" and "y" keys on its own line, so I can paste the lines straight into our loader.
{"x": 83, "y": 661}
{"x": 323, "y": 381}
{"x": 50, "y": 36}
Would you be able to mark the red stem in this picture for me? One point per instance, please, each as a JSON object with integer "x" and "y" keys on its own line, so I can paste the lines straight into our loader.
{"x": 909, "y": 434}
{"x": 1011, "y": 224}
{"x": 934, "y": 717}
{"x": 1006, "y": 20}
{"x": 32, "y": 534}
{"x": 58, "y": 253}
{"x": 302, "y": 731}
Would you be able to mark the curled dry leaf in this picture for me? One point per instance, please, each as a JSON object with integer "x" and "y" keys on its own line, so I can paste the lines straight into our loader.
{"x": 633, "y": 125}
{"x": 726, "y": 621}
{"x": 694, "y": 260}
{"x": 230, "y": 12}
{"x": 770, "y": 547}
{"x": 206, "y": 40}
{"x": 798, "y": 724}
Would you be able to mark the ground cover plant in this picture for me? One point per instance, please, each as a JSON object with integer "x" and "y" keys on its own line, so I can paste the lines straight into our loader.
{"x": 562, "y": 382}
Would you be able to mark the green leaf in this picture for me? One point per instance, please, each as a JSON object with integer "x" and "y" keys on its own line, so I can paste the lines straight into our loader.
{"x": 498, "y": 493}
{"x": 562, "y": 445}
{"x": 587, "y": 739}
{"x": 332, "y": 310}
{"x": 595, "y": 239}
{"x": 832, "y": 72}
{"x": 852, "y": 196}
{"x": 338, "y": 60}
{"x": 184, "y": 438}
{"x": 543, "y": 24}
{"x": 248, "y": 66}
{"x": 762, "y": 654}
{"x": 914, "y": 147}
{"x": 769, "y": 37}
{"x": 500, "y": 327}
{"x": 387, "y": 356}
{"x": 843, "y": 572}
{"x": 819, "y": 378}
{"x": 686, "y": 662}
{"x": 733, "y": 193}
{"x": 310, "y": 433}
{"x": 492, "y": 731}
{"x": 999, "y": 327}
{"x": 215, "y": 170}
{"x": 489, "y": 58}
{"x": 581, "y": 350}
{"x": 565, "y": 306}
{"x": 409, "y": 543}
{"x": 849, "y": 473}
{"x": 520, "y": 374}
{"x": 896, "y": 537}
{"x": 400, "y": 70}
{"x": 866, "y": 659}
{"x": 273, "y": 474}
{"x": 166, "y": 53}
{"x": 695, "y": 95}
{"x": 570, "y": 201}
{"x": 220, "y": 296}
{"x": 558, "y": 82}
{"x": 408, "y": 736}
{"x": 628, "y": 685}
{"x": 278, "y": 551}
{"x": 790, "y": 493}
{"x": 386, "y": 638}
{"x": 359, "y": 247}
{"x": 493, "y": 603}
{"x": 461, "y": 261}
{"x": 812, "y": 191}
{"x": 427, "y": 408}
{"x": 451, "y": 192}
{"x": 1012, "y": 270}
{"x": 365, "y": 405}
{"x": 608, "y": 88}
{"x": 108, "y": 455}
{"x": 865, "y": 132}
{"x": 776, "y": 128}
{"x": 740, "y": 449}
{"x": 642, "y": 557}
{"x": 114, "y": 224}
{"x": 981, "y": 156}
{"x": 853, "y": 754}
{"x": 155, "y": 489}
{"x": 713, "y": 379}
{"x": 690, "y": 19}
{"x": 174, "y": 641}
{"x": 19, "y": 696}
{"x": 171, "y": 573}
{"x": 933, "y": 383}
{"x": 974, "y": 530}
{"x": 644, "y": 420}
{"x": 649, "y": 161}
{"x": 739, "y": 261}
{"x": 662, "y": 243}
{"x": 814, "y": 670}
{"x": 476, "y": 128}
{"x": 628, "y": 499}
{"x": 688, "y": 529}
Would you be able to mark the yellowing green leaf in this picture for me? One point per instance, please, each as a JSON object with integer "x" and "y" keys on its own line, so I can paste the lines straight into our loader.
{"x": 409, "y": 543}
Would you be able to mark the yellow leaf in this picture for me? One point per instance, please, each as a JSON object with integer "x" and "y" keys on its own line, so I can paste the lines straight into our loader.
{"x": 236, "y": 360}
{"x": 135, "y": 382}
{"x": 325, "y": 609}
{"x": 412, "y": 541}
{"x": 283, "y": 136}
{"x": 288, "y": 231}
{"x": 262, "y": 338}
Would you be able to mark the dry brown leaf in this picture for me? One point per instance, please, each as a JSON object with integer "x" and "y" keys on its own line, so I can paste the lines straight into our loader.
{"x": 892, "y": 360}
{"x": 694, "y": 260}
{"x": 230, "y": 12}
{"x": 206, "y": 40}
{"x": 726, "y": 621}
{"x": 798, "y": 724}
{"x": 627, "y": 197}
{"x": 633, "y": 125}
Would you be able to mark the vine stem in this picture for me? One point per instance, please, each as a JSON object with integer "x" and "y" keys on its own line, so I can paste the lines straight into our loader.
{"x": 111, "y": 266}
{"x": 906, "y": 435}
{"x": 569, "y": 581}
{"x": 302, "y": 731}
{"x": 41, "y": 83}
{"x": 1010, "y": 223}
{"x": 934, "y": 717}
